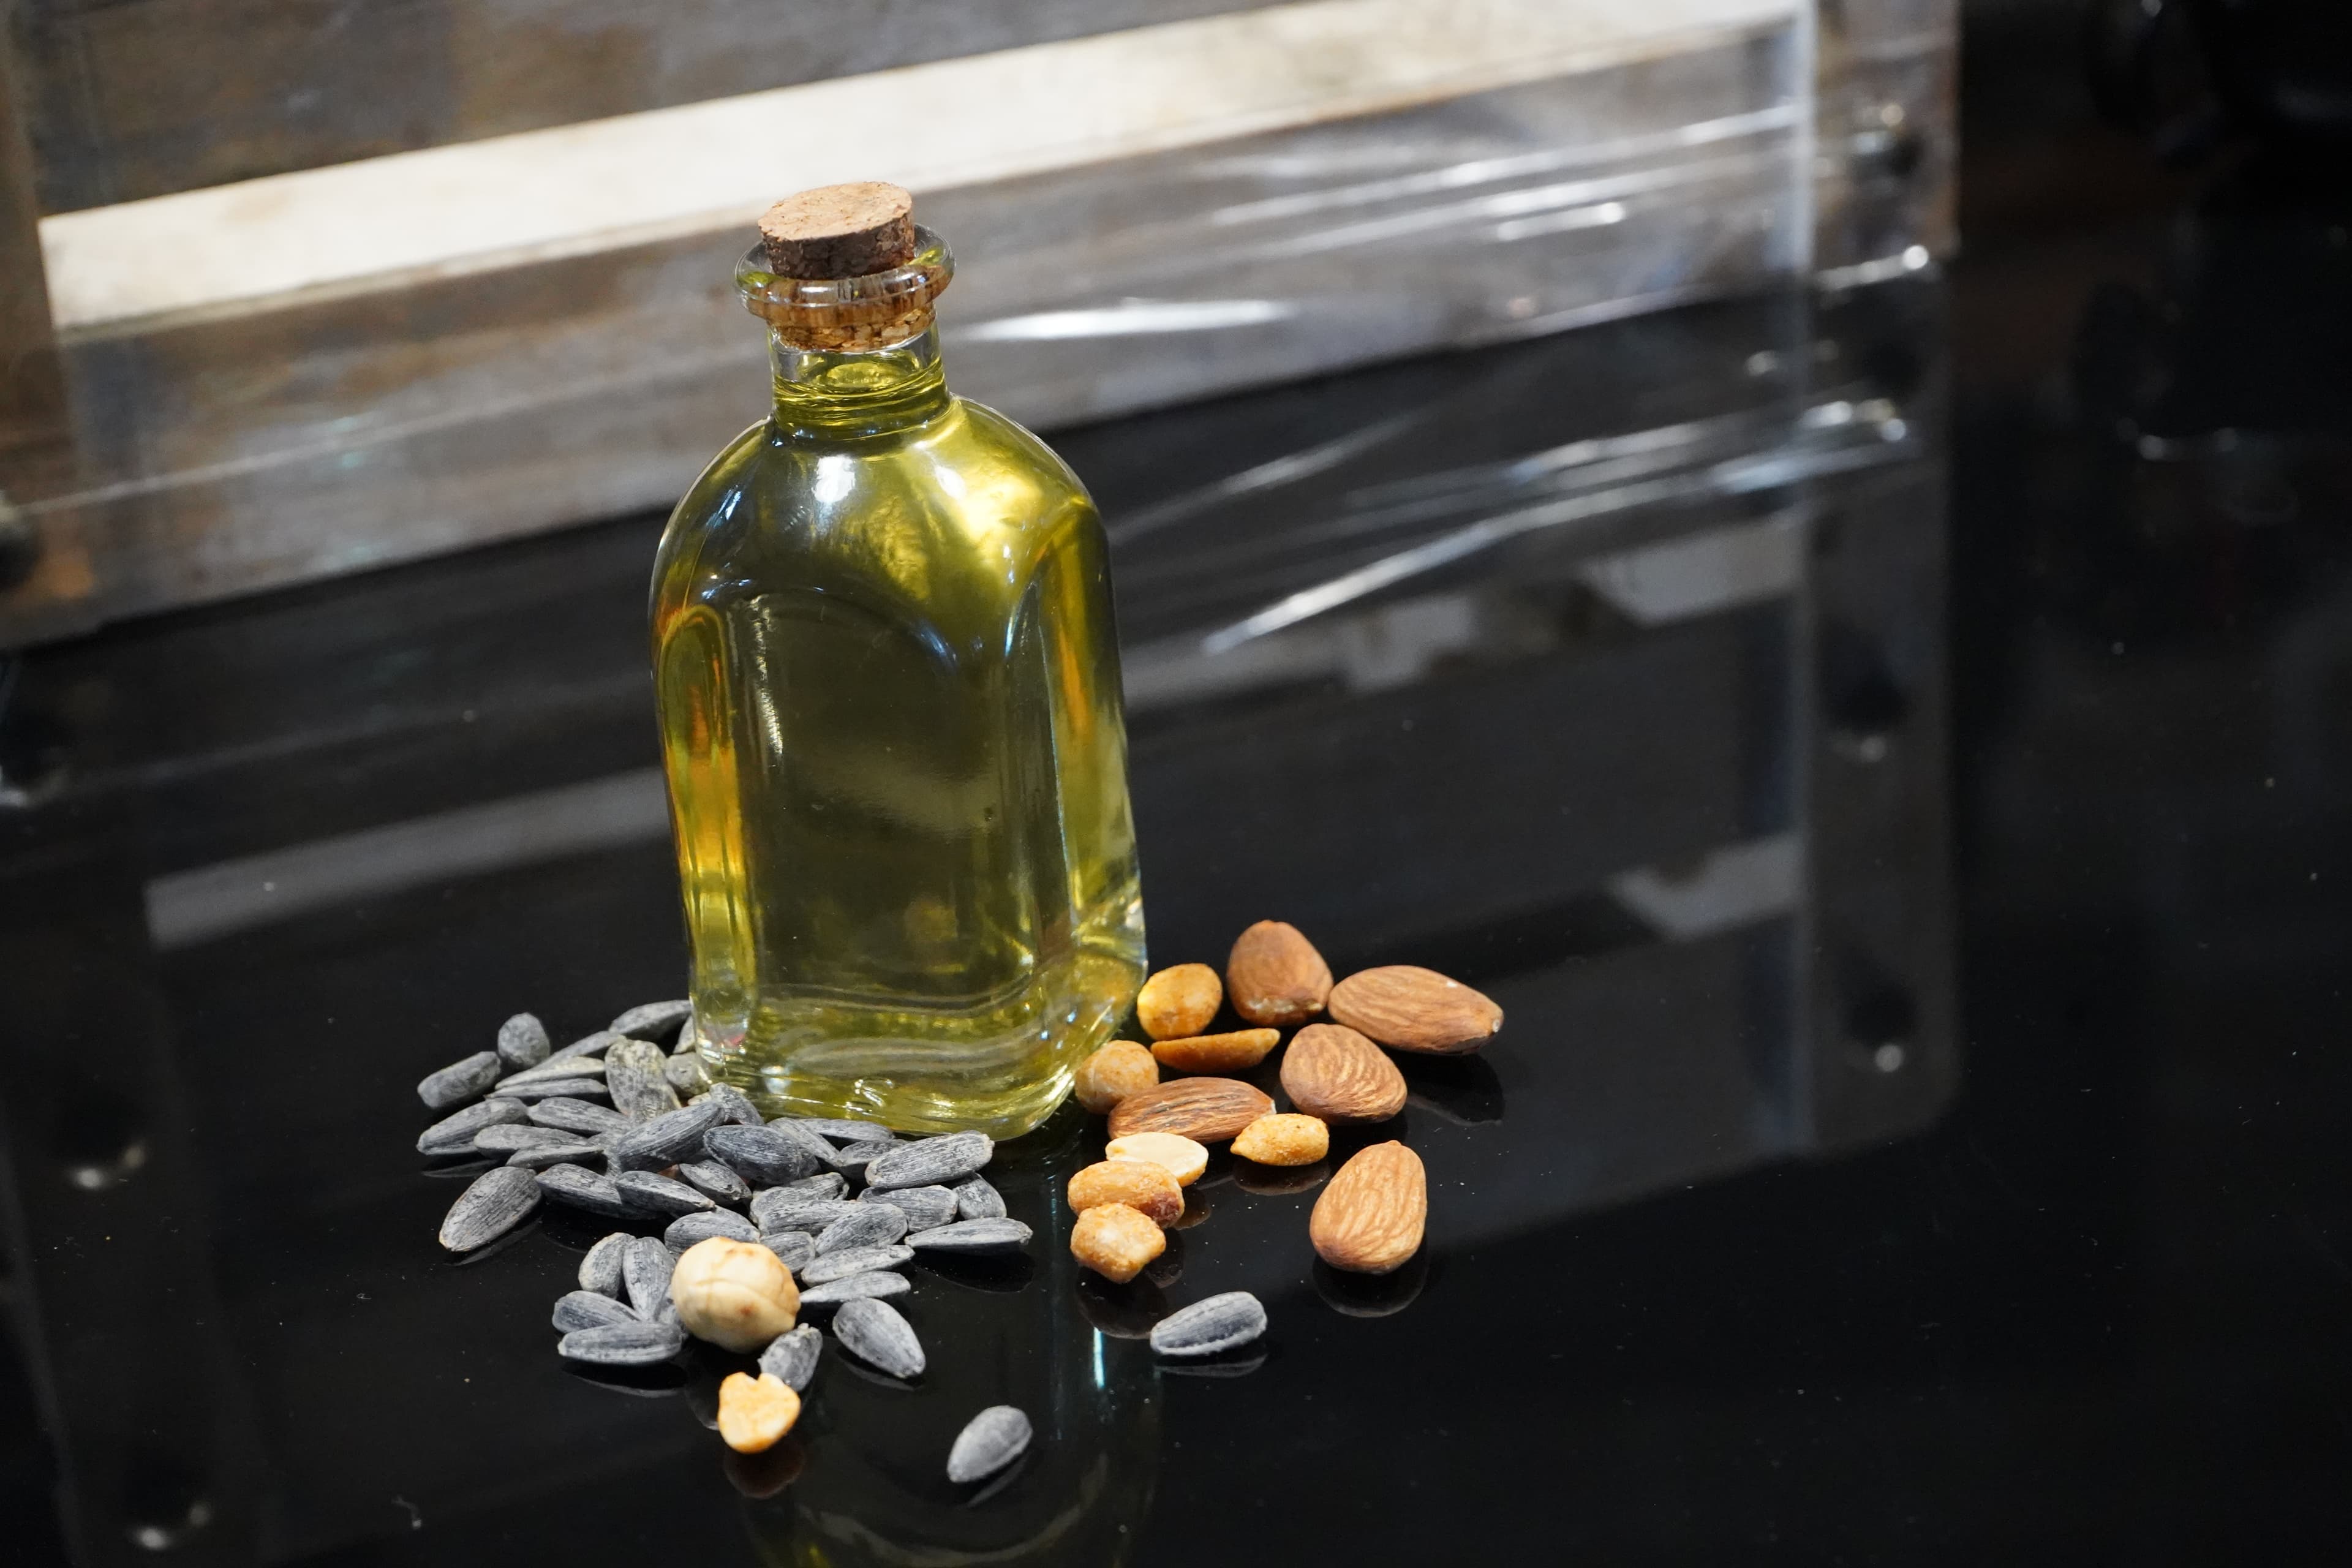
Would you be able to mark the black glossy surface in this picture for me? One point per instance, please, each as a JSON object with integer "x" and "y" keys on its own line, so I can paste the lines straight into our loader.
{"x": 1918, "y": 1134}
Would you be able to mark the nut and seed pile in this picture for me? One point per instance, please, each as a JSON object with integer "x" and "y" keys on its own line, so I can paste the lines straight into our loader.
{"x": 1370, "y": 1217}
{"x": 756, "y": 1222}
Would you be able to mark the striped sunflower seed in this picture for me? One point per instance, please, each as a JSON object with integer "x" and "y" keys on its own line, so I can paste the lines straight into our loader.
{"x": 988, "y": 1441}
{"x": 600, "y": 1270}
{"x": 689, "y": 1229}
{"x": 686, "y": 1075}
{"x": 570, "y": 1151}
{"x": 459, "y": 1081}
{"x": 646, "y": 1268}
{"x": 554, "y": 1089}
{"x": 926, "y": 1208}
{"x": 635, "y": 1072}
{"x": 653, "y": 1194}
{"x": 665, "y": 1140}
{"x": 622, "y": 1344}
{"x": 761, "y": 1154}
{"x": 455, "y": 1135}
{"x": 951, "y": 1157}
{"x": 977, "y": 1199}
{"x": 1206, "y": 1327}
{"x": 506, "y": 1137}
{"x": 853, "y": 1260}
{"x": 735, "y": 1107}
{"x": 652, "y": 1020}
{"x": 715, "y": 1182}
{"x": 873, "y": 1225}
{"x": 855, "y": 1157}
{"x": 587, "y": 1309}
{"x": 824, "y": 1185}
{"x": 594, "y": 1044}
{"x": 794, "y": 1247}
{"x": 973, "y": 1235}
{"x": 578, "y": 1117}
{"x": 875, "y": 1333}
{"x": 584, "y": 1189}
{"x": 571, "y": 1066}
{"x": 781, "y": 1208}
{"x": 836, "y": 1131}
{"x": 495, "y": 1203}
{"x": 791, "y": 1358}
{"x": 819, "y": 1147}
{"x": 523, "y": 1042}
{"x": 872, "y": 1285}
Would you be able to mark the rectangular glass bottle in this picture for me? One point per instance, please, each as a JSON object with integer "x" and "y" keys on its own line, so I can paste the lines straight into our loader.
{"x": 888, "y": 687}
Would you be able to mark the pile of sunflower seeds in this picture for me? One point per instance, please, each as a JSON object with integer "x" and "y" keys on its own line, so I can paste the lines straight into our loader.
{"x": 622, "y": 1128}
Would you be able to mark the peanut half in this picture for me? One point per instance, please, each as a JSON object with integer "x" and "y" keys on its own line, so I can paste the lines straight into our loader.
{"x": 1179, "y": 1001}
{"x": 1288, "y": 1139}
{"x": 1148, "y": 1189}
{"x": 1115, "y": 1241}
{"x": 1120, "y": 1068}
{"x": 1241, "y": 1050}
{"x": 1184, "y": 1159}
{"x": 754, "y": 1412}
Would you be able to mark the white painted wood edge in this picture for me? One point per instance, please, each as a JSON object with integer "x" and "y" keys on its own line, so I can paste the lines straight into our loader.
{"x": 700, "y": 167}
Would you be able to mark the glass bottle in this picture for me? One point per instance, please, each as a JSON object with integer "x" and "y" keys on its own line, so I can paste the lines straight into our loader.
{"x": 888, "y": 688}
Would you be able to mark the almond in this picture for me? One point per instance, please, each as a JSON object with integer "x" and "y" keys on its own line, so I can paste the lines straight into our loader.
{"x": 1148, "y": 1189}
{"x": 1112, "y": 1073}
{"x": 1217, "y": 1053}
{"x": 1333, "y": 1072}
{"x": 1205, "y": 1110}
{"x": 1411, "y": 1009}
{"x": 1370, "y": 1219}
{"x": 1276, "y": 976}
{"x": 1286, "y": 1139}
{"x": 1115, "y": 1241}
{"x": 1179, "y": 1001}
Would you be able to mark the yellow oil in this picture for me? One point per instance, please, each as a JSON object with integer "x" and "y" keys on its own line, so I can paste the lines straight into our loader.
{"x": 888, "y": 687}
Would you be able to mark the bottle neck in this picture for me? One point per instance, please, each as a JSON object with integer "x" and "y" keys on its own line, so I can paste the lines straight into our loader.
{"x": 833, "y": 394}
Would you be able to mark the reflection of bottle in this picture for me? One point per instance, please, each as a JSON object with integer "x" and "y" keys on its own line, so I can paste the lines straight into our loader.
{"x": 872, "y": 1487}
{"x": 889, "y": 698}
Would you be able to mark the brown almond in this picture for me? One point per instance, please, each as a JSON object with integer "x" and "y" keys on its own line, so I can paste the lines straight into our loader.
{"x": 1409, "y": 1009}
{"x": 1370, "y": 1219}
{"x": 1285, "y": 1138}
{"x": 1333, "y": 1072}
{"x": 1119, "y": 1070}
{"x": 1115, "y": 1241}
{"x": 1217, "y": 1053}
{"x": 1148, "y": 1189}
{"x": 1276, "y": 976}
{"x": 1205, "y": 1110}
{"x": 1179, "y": 1001}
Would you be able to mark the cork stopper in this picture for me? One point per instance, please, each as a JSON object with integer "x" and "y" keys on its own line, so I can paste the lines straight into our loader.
{"x": 840, "y": 231}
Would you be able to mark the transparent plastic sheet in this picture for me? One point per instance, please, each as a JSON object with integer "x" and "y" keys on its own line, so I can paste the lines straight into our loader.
{"x": 216, "y": 457}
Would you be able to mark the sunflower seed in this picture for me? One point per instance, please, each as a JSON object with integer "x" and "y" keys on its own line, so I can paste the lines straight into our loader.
{"x": 948, "y": 1158}
{"x": 594, "y": 1044}
{"x": 506, "y": 1137}
{"x": 587, "y": 1309}
{"x": 763, "y": 1155}
{"x": 1206, "y": 1327}
{"x": 601, "y": 1270}
{"x": 791, "y": 1358}
{"x": 455, "y": 1135}
{"x": 793, "y": 1248}
{"x": 873, "y": 1225}
{"x": 687, "y": 1229}
{"x": 495, "y": 1203}
{"x": 781, "y": 1208}
{"x": 570, "y": 1151}
{"x": 836, "y": 1131}
{"x": 819, "y": 1147}
{"x": 824, "y": 1185}
{"x": 571, "y": 1066}
{"x": 622, "y": 1344}
{"x": 976, "y": 1199}
{"x": 459, "y": 1081}
{"x": 652, "y": 1020}
{"x": 858, "y": 1157}
{"x": 874, "y": 1333}
{"x": 853, "y": 1260}
{"x": 988, "y": 1441}
{"x": 926, "y": 1208}
{"x": 735, "y": 1107}
{"x": 522, "y": 1041}
{"x": 665, "y": 1140}
{"x": 973, "y": 1235}
{"x": 646, "y": 1269}
{"x": 657, "y": 1194}
{"x": 554, "y": 1089}
{"x": 686, "y": 1075}
{"x": 715, "y": 1182}
{"x": 578, "y": 1118}
{"x": 584, "y": 1189}
{"x": 872, "y": 1285}
{"x": 634, "y": 1071}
